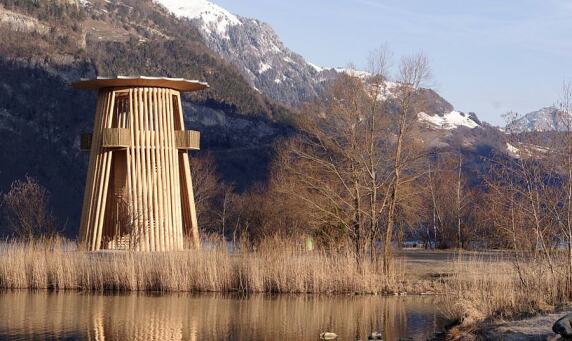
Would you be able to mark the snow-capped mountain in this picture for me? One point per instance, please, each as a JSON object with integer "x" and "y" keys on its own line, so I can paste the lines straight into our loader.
{"x": 214, "y": 20}
{"x": 450, "y": 120}
{"x": 255, "y": 48}
{"x": 546, "y": 119}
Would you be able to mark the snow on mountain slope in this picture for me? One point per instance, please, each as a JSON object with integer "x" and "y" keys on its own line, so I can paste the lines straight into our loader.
{"x": 274, "y": 70}
{"x": 215, "y": 19}
{"x": 255, "y": 48}
{"x": 546, "y": 119}
{"x": 448, "y": 121}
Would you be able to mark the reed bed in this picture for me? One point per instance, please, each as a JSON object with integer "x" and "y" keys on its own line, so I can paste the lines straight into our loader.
{"x": 482, "y": 291}
{"x": 277, "y": 268}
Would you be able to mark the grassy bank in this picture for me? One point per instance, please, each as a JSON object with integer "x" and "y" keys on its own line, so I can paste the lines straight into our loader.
{"x": 277, "y": 268}
{"x": 482, "y": 292}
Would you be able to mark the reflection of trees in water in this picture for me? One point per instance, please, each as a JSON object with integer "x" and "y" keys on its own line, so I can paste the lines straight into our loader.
{"x": 187, "y": 317}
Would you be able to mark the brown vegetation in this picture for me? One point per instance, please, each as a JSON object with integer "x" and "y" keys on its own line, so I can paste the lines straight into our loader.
{"x": 26, "y": 210}
{"x": 481, "y": 291}
{"x": 279, "y": 267}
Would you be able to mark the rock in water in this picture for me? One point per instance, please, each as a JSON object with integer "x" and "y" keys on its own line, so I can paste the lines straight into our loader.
{"x": 563, "y": 326}
{"x": 328, "y": 336}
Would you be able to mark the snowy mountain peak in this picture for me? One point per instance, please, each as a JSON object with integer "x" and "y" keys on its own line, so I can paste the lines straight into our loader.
{"x": 215, "y": 19}
{"x": 449, "y": 121}
{"x": 253, "y": 46}
{"x": 546, "y": 119}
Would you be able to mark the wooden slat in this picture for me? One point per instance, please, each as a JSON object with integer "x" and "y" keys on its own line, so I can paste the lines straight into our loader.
{"x": 100, "y": 196}
{"x": 160, "y": 169}
{"x": 172, "y": 171}
{"x": 168, "y": 171}
{"x": 89, "y": 183}
{"x": 141, "y": 213}
{"x": 188, "y": 193}
{"x": 134, "y": 202}
{"x": 153, "y": 169}
{"x": 148, "y": 169}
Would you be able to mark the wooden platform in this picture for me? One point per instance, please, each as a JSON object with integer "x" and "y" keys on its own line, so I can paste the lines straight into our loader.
{"x": 179, "y": 84}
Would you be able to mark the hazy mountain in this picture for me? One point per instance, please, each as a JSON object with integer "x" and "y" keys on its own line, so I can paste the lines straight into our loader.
{"x": 546, "y": 119}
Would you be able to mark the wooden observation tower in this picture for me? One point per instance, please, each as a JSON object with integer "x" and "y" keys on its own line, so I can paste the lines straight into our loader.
{"x": 138, "y": 192}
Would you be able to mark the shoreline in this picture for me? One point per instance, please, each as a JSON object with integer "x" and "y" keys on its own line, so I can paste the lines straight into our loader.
{"x": 537, "y": 327}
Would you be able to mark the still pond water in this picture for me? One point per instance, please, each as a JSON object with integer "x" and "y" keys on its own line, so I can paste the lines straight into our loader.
{"x": 74, "y": 316}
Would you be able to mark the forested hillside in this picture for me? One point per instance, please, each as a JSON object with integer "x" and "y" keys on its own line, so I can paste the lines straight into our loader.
{"x": 45, "y": 45}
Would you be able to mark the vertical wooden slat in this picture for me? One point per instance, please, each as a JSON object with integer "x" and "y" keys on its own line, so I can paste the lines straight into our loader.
{"x": 148, "y": 170}
{"x": 133, "y": 199}
{"x": 160, "y": 169}
{"x": 174, "y": 170}
{"x": 154, "y": 167}
{"x": 86, "y": 208}
{"x": 128, "y": 199}
{"x": 96, "y": 143}
{"x": 179, "y": 212}
{"x": 103, "y": 185}
{"x": 142, "y": 227}
{"x": 167, "y": 174}
{"x": 144, "y": 165}
{"x": 188, "y": 192}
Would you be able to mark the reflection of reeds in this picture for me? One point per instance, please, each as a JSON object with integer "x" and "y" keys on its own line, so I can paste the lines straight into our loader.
{"x": 278, "y": 268}
{"x": 210, "y": 317}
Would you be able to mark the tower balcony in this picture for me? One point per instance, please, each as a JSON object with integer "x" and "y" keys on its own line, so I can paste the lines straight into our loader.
{"x": 188, "y": 139}
{"x": 116, "y": 138}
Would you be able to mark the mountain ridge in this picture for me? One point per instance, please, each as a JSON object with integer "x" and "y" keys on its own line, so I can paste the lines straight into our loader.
{"x": 46, "y": 46}
{"x": 546, "y": 119}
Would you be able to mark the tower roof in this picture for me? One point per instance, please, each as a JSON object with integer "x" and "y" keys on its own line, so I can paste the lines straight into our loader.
{"x": 180, "y": 84}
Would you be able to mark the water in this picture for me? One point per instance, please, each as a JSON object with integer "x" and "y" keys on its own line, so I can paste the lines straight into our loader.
{"x": 43, "y": 315}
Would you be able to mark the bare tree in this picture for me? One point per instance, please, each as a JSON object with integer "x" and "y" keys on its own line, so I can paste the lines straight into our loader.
{"x": 26, "y": 210}
{"x": 347, "y": 164}
{"x": 413, "y": 72}
{"x": 207, "y": 189}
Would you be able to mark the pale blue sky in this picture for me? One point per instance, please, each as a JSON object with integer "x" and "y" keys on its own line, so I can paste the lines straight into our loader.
{"x": 488, "y": 56}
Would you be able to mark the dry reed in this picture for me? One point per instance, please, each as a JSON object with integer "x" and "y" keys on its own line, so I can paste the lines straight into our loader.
{"x": 486, "y": 290}
{"x": 278, "y": 268}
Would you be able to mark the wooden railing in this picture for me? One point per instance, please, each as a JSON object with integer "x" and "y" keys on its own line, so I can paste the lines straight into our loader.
{"x": 188, "y": 139}
{"x": 116, "y": 138}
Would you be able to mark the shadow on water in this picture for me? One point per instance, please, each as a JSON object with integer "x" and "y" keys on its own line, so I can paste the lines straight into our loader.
{"x": 44, "y": 315}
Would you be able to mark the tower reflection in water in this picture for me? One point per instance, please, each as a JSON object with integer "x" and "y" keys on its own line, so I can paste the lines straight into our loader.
{"x": 41, "y": 315}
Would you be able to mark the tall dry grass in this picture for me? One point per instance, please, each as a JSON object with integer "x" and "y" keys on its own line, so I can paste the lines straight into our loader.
{"x": 484, "y": 290}
{"x": 280, "y": 267}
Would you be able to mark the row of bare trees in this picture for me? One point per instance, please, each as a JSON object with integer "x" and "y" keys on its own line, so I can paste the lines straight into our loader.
{"x": 358, "y": 176}
{"x": 530, "y": 196}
